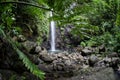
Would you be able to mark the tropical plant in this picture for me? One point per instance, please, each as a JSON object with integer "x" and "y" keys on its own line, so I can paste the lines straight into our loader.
{"x": 96, "y": 22}
{"x": 32, "y": 67}
{"x": 8, "y": 30}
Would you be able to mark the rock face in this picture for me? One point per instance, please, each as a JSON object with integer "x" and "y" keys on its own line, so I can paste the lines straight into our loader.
{"x": 86, "y": 51}
{"x": 62, "y": 62}
{"x": 64, "y": 39}
{"x": 104, "y": 74}
{"x": 29, "y": 45}
{"x": 93, "y": 59}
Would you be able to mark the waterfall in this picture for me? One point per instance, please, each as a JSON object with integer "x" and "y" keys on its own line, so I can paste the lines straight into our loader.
{"x": 52, "y": 28}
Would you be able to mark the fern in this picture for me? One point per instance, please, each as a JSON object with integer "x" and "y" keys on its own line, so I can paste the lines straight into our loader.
{"x": 30, "y": 65}
{"x": 24, "y": 58}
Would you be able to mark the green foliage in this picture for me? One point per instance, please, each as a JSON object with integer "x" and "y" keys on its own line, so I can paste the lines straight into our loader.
{"x": 8, "y": 19}
{"x": 111, "y": 41}
{"x": 8, "y": 29}
{"x": 116, "y": 34}
{"x": 38, "y": 21}
{"x": 106, "y": 39}
{"x": 92, "y": 19}
{"x": 96, "y": 22}
{"x": 107, "y": 11}
{"x": 105, "y": 14}
{"x": 118, "y": 19}
{"x": 32, "y": 67}
{"x": 86, "y": 16}
{"x": 75, "y": 13}
{"x": 84, "y": 30}
{"x": 6, "y": 16}
{"x": 13, "y": 77}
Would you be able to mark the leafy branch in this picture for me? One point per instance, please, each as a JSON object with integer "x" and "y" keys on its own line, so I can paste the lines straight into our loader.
{"x": 26, "y": 3}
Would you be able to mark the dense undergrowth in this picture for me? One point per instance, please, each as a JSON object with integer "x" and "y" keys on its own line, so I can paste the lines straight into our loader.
{"x": 95, "y": 22}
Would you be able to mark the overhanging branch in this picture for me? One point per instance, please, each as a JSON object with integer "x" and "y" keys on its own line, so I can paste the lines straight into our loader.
{"x": 25, "y": 3}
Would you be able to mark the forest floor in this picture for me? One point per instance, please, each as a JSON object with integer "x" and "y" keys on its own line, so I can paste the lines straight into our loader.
{"x": 85, "y": 64}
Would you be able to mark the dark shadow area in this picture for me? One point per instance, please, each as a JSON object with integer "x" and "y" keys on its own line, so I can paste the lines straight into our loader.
{"x": 117, "y": 75}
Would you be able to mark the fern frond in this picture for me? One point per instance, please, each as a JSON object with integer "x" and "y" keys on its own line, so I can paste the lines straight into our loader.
{"x": 32, "y": 67}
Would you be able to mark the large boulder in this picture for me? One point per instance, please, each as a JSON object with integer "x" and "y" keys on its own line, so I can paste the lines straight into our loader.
{"x": 29, "y": 45}
{"x": 87, "y": 51}
{"x": 104, "y": 74}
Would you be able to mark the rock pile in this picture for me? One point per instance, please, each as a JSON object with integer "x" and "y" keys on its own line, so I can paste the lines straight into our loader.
{"x": 69, "y": 64}
{"x": 78, "y": 65}
{"x": 60, "y": 63}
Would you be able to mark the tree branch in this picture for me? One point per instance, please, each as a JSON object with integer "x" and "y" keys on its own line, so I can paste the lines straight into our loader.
{"x": 25, "y": 3}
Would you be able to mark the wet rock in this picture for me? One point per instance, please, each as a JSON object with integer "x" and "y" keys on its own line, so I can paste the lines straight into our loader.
{"x": 14, "y": 38}
{"x": 29, "y": 45}
{"x": 72, "y": 68}
{"x": 42, "y": 67}
{"x": 104, "y": 74}
{"x": 45, "y": 68}
{"x": 78, "y": 48}
{"x": 112, "y": 62}
{"x": 86, "y": 60}
{"x": 35, "y": 59}
{"x": 60, "y": 55}
{"x": 85, "y": 66}
{"x": 93, "y": 59}
{"x": 54, "y": 57}
{"x": 101, "y": 64}
{"x": 115, "y": 61}
{"x": 59, "y": 67}
{"x": 43, "y": 51}
{"x": 67, "y": 62}
{"x": 38, "y": 49}
{"x": 65, "y": 58}
{"x": 46, "y": 58}
{"x": 40, "y": 61}
{"x": 86, "y": 51}
{"x": 113, "y": 54}
{"x": 21, "y": 38}
{"x": 107, "y": 60}
{"x": 79, "y": 57}
{"x": 102, "y": 48}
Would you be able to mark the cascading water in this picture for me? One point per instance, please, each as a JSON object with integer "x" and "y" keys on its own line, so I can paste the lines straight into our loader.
{"x": 52, "y": 28}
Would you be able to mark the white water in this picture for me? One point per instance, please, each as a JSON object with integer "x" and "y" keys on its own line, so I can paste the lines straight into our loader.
{"x": 52, "y": 28}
